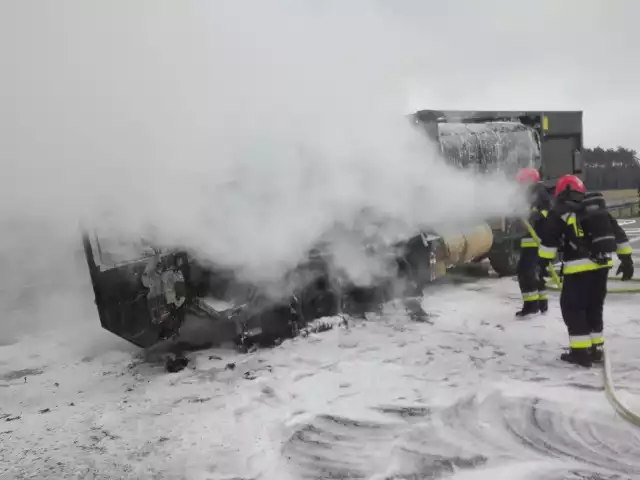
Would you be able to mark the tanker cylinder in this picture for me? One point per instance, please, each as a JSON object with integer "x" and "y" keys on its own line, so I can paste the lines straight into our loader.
{"x": 466, "y": 245}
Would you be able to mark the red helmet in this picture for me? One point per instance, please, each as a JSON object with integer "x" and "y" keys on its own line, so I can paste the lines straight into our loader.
{"x": 528, "y": 175}
{"x": 569, "y": 182}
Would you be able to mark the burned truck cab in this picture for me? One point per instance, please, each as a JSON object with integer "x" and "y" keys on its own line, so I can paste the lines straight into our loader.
{"x": 147, "y": 295}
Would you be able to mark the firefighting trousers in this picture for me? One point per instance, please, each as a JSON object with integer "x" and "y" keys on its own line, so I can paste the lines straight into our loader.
{"x": 531, "y": 287}
{"x": 582, "y": 302}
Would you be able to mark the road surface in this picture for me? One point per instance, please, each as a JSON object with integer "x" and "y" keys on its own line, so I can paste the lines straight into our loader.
{"x": 631, "y": 227}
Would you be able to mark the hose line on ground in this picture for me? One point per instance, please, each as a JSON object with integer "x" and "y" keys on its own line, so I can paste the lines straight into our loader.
{"x": 554, "y": 287}
{"x": 610, "y": 392}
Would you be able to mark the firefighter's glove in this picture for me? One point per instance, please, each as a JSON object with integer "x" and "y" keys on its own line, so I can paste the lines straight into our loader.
{"x": 626, "y": 267}
{"x": 543, "y": 267}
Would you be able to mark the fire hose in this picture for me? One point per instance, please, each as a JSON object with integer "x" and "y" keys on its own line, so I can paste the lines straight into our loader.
{"x": 609, "y": 389}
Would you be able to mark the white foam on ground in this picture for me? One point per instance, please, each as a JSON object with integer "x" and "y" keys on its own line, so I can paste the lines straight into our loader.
{"x": 111, "y": 414}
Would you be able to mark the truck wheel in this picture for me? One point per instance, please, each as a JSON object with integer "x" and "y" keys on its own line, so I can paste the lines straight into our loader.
{"x": 505, "y": 261}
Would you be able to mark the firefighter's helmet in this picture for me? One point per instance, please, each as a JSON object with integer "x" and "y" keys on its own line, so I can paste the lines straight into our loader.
{"x": 569, "y": 183}
{"x": 528, "y": 175}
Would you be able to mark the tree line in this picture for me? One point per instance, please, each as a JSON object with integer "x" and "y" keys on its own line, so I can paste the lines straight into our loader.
{"x": 607, "y": 169}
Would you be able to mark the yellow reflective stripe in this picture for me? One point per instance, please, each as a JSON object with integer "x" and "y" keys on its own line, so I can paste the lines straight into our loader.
{"x": 572, "y": 221}
{"x": 580, "y": 341}
{"x": 543, "y": 296}
{"x": 528, "y": 243}
{"x": 597, "y": 338}
{"x": 530, "y": 297}
{"x": 624, "y": 248}
{"x": 543, "y": 211}
{"x": 547, "y": 252}
{"x": 583, "y": 265}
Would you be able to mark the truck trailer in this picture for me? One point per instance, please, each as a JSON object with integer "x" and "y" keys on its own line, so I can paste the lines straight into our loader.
{"x": 489, "y": 141}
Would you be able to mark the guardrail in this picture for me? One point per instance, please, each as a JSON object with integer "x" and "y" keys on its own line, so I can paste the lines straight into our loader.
{"x": 624, "y": 209}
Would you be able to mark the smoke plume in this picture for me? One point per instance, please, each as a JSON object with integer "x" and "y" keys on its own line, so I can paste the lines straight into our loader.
{"x": 241, "y": 130}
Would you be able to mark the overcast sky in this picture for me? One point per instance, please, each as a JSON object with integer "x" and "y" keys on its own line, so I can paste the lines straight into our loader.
{"x": 569, "y": 54}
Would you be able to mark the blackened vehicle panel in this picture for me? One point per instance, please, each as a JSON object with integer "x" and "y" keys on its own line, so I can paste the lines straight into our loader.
{"x": 140, "y": 300}
{"x": 130, "y": 302}
{"x": 124, "y": 306}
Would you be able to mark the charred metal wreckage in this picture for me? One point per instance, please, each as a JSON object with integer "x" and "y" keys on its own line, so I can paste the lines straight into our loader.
{"x": 147, "y": 299}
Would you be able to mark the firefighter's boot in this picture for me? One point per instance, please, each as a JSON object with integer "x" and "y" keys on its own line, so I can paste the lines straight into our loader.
{"x": 597, "y": 353}
{"x": 578, "y": 356}
{"x": 529, "y": 308}
{"x": 543, "y": 304}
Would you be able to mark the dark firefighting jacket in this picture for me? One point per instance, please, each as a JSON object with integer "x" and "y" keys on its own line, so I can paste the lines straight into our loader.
{"x": 563, "y": 230}
{"x": 540, "y": 204}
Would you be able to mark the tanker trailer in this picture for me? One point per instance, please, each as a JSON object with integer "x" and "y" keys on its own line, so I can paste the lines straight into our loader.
{"x": 492, "y": 141}
{"x": 487, "y": 148}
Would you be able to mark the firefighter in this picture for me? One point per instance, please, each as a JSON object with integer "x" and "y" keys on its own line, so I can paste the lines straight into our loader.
{"x": 588, "y": 235}
{"x": 532, "y": 286}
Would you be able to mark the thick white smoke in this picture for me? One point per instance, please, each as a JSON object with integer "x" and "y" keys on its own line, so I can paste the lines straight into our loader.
{"x": 240, "y": 129}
